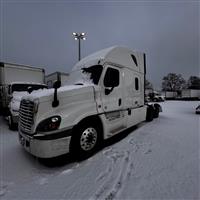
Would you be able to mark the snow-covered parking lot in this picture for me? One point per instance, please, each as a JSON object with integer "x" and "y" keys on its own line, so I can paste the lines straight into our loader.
{"x": 157, "y": 160}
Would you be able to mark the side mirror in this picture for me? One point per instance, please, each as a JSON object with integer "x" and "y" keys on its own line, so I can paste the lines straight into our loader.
{"x": 57, "y": 84}
{"x": 108, "y": 90}
{"x": 30, "y": 89}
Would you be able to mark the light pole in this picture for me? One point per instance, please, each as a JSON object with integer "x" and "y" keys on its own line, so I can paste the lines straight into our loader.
{"x": 79, "y": 37}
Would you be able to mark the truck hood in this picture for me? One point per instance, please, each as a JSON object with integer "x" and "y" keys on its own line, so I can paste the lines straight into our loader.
{"x": 48, "y": 95}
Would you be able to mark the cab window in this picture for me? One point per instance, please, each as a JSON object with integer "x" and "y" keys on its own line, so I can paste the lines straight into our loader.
{"x": 111, "y": 78}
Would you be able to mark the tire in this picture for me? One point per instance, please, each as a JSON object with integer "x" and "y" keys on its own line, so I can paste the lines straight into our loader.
{"x": 85, "y": 140}
{"x": 150, "y": 113}
{"x": 11, "y": 124}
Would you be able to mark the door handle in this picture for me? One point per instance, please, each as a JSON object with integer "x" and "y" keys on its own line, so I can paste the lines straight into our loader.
{"x": 119, "y": 101}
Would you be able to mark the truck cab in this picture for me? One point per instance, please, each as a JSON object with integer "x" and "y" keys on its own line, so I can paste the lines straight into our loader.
{"x": 104, "y": 95}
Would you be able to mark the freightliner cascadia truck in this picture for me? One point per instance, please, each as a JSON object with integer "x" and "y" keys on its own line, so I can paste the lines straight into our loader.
{"x": 103, "y": 97}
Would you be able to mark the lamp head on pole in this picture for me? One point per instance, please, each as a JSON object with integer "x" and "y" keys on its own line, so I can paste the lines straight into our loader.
{"x": 78, "y": 36}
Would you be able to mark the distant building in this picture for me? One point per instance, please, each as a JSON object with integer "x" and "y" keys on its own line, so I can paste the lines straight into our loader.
{"x": 51, "y": 78}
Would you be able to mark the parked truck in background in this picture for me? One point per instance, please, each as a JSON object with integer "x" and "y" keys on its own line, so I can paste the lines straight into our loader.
{"x": 104, "y": 96}
{"x": 20, "y": 89}
{"x": 51, "y": 78}
{"x": 11, "y": 76}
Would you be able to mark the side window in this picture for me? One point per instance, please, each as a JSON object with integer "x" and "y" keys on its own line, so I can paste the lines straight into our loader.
{"x": 94, "y": 72}
{"x": 111, "y": 78}
{"x": 136, "y": 84}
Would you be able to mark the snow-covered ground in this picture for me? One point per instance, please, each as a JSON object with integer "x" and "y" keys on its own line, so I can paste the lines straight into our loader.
{"x": 157, "y": 160}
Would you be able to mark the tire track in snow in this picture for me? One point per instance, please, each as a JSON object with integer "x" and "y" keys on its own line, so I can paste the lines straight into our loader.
{"x": 112, "y": 185}
{"x": 109, "y": 175}
{"x": 119, "y": 183}
{"x": 113, "y": 156}
{"x": 145, "y": 147}
{"x": 105, "y": 174}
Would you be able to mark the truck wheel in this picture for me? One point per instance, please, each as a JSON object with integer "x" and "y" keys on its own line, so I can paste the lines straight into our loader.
{"x": 150, "y": 113}
{"x": 11, "y": 124}
{"x": 85, "y": 141}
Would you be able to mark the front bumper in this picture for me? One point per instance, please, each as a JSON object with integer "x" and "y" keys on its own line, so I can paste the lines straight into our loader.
{"x": 46, "y": 146}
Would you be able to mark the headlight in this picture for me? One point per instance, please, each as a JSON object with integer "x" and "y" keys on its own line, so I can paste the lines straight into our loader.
{"x": 49, "y": 124}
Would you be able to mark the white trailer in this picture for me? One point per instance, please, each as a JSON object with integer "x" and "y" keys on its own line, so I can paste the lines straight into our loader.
{"x": 56, "y": 76}
{"x": 169, "y": 94}
{"x": 14, "y": 75}
{"x": 105, "y": 96}
{"x": 190, "y": 93}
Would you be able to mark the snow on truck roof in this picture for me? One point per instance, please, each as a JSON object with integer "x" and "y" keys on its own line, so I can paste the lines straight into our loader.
{"x": 118, "y": 55}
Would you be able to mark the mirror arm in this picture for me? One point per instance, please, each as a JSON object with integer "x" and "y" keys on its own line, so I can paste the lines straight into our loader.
{"x": 55, "y": 102}
{"x": 56, "y": 85}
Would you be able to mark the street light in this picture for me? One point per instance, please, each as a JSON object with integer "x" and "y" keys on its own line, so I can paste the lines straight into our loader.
{"x": 79, "y": 37}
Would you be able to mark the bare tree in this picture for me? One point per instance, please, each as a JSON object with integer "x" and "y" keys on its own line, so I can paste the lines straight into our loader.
{"x": 193, "y": 82}
{"x": 173, "y": 82}
{"x": 148, "y": 85}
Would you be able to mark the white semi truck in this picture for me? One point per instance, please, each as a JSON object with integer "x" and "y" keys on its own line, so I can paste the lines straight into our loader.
{"x": 14, "y": 77}
{"x": 104, "y": 96}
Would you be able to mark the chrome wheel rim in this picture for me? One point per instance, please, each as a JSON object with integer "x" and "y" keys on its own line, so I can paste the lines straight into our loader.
{"x": 88, "y": 139}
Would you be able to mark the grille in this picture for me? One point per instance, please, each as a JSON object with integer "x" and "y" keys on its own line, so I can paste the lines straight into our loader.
{"x": 26, "y": 115}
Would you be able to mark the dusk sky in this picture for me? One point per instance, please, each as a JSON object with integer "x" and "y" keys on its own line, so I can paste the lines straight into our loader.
{"x": 39, "y": 33}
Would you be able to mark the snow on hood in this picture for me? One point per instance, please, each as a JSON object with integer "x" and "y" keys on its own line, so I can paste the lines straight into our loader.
{"x": 17, "y": 96}
{"x": 15, "y": 102}
{"x": 49, "y": 92}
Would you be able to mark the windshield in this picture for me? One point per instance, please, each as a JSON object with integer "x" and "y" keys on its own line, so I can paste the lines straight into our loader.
{"x": 24, "y": 87}
{"x": 85, "y": 75}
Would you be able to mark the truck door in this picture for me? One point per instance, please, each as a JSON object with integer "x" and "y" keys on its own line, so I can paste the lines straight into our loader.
{"x": 112, "y": 101}
{"x": 111, "y": 94}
